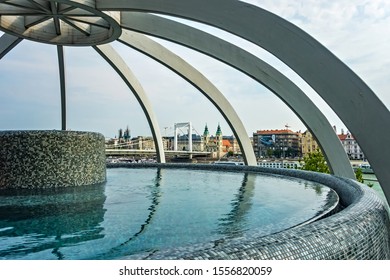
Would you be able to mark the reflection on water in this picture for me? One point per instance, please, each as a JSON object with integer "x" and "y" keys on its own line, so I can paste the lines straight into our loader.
{"x": 33, "y": 221}
{"x": 266, "y": 205}
{"x": 317, "y": 188}
{"x": 143, "y": 210}
{"x": 233, "y": 223}
{"x": 125, "y": 247}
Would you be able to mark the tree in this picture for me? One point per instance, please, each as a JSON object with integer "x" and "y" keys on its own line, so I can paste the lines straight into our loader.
{"x": 277, "y": 153}
{"x": 270, "y": 152}
{"x": 315, "y": 161}
{"x": 359, "y": 175}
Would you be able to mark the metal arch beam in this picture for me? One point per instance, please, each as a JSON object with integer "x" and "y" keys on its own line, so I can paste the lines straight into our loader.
{"x": 352, "y": 100}
{"x": 7, "y": 43}
{"x": 193, "y": 76}
{"x": 114, "y": 59}
{"x": 254, "y": 67}
{"x": 61, "y": 66}
{"x": 185, "y": 70}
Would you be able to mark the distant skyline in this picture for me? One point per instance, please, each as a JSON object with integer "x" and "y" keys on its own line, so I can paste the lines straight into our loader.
{"x": 98, "y": 100}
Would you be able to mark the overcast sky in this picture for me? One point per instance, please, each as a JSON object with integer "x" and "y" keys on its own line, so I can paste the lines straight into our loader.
{"x": 356, "y": 31}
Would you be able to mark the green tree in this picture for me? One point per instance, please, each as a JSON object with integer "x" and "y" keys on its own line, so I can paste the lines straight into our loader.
{"x": 315, "y": 161}
{"x": 359, "y": 175}
{"x": 270, "y": 153}
{"x": 277, "y": 153}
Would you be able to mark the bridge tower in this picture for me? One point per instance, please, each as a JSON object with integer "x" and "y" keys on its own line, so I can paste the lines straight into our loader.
{"x": 179, "y": 125}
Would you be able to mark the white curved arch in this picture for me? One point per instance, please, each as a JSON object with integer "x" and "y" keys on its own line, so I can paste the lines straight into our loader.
{"x": 184, "y": 69}
{"x": 338, "y": 85}
{"x": 113, "y": 58}
{"x": 8, "y": 42}
{"x": 254, "y": 67}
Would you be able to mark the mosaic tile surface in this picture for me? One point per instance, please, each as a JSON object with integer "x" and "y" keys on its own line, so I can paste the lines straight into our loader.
{"x": 45, "y": 159}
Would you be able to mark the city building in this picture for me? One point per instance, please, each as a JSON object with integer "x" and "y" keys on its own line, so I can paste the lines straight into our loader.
{"x": 142, "y": 143}
{"x": 122, "y": 141}
{"x": 214, "y": 144}
{"x": 351, "y": 146}
{"x": 217, "y": 145}
{"x": 232, "y": 144}
{"x": 276, "y": 143}
{"x": 124, "y": 135}
{"x": 308, "y": 143}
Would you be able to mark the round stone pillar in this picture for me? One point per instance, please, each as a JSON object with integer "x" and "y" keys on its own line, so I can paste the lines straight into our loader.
{"x": 50, "y": 159}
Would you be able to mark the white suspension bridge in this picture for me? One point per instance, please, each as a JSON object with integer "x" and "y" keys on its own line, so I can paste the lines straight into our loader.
{"x": 144, "y": 146}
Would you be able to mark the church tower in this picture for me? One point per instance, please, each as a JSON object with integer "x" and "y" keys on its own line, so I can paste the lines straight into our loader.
{"x": 219, "y": 141}
{"x": 205, "y": 138}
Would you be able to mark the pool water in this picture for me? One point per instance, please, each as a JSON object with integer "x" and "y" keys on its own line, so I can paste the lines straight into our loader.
{"x": 149, "y": 209}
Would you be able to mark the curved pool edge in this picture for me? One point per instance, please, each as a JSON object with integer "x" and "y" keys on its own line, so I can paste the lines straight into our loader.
{"x": 361, "y": 230}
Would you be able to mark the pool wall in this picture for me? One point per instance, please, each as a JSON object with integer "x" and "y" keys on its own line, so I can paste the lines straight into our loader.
{"x": 361, "y": 230}
{"x": 45, "y": 159}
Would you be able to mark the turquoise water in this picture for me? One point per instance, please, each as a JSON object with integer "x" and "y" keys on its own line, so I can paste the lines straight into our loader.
{"x": 144, "y": 210}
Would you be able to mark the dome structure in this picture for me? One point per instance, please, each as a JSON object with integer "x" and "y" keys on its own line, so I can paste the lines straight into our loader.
{"x": 97, "y": 23}
{"x": 73, "y": 23}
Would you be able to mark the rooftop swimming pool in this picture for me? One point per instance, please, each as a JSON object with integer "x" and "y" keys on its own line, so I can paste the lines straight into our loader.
{"x": 144, "y": 210}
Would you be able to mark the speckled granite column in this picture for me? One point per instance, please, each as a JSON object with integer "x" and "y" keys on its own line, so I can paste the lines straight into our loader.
{"x": 46, "y": 159}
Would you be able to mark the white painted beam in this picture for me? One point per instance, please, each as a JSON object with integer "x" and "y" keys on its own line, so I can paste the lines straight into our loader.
{"x": 351, "y": 99}
{"x": 188, "y": 72}
{"x": 114, "y": 59}
{"x": 254, "y": 67}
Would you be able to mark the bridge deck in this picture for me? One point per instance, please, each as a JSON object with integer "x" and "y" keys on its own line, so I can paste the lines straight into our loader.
{"x": 123, "y": 152}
